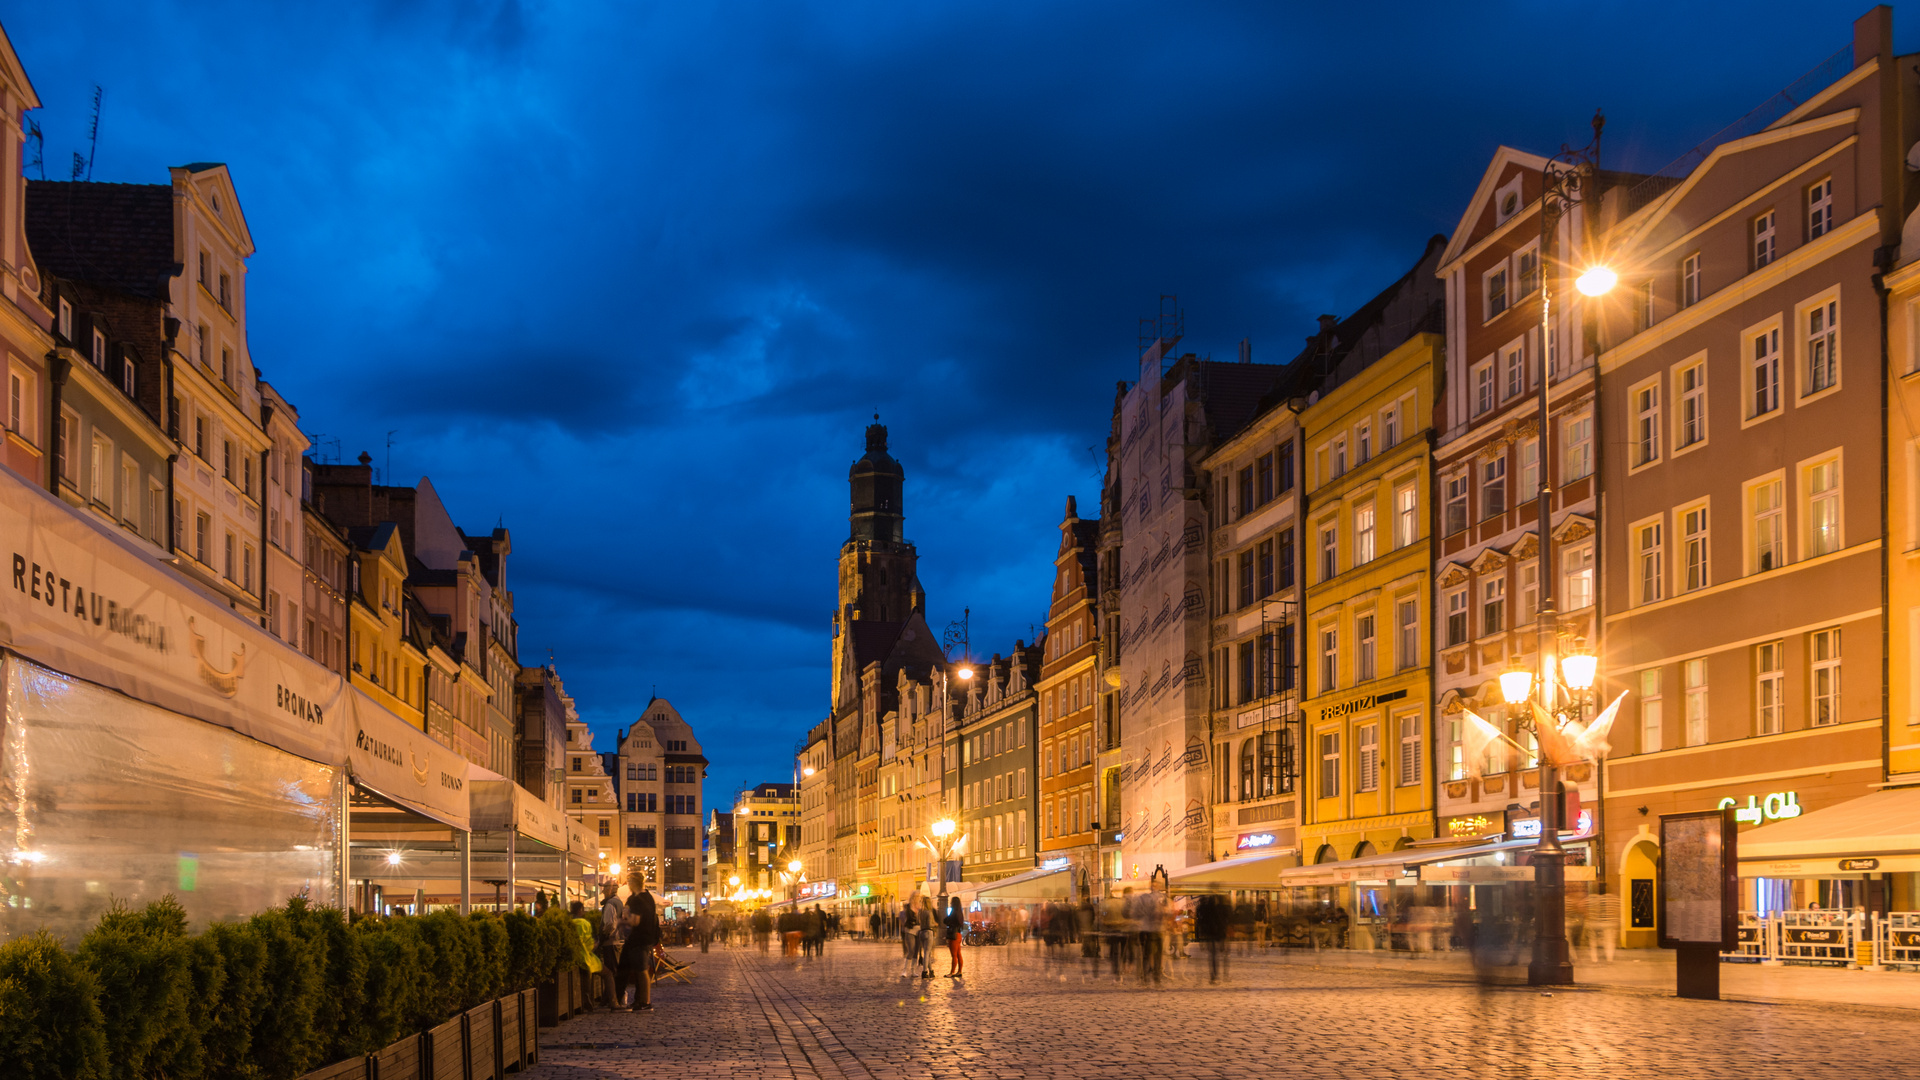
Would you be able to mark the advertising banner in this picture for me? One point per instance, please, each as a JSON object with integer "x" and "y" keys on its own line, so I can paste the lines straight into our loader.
{"x": 398, "y": 761}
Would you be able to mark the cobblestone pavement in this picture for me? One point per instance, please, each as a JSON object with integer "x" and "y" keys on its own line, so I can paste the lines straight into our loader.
{"x": 848, "y": 1016}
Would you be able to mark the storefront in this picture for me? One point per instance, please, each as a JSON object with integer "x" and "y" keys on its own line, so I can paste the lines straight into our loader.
{"x": 1860, "y": 855}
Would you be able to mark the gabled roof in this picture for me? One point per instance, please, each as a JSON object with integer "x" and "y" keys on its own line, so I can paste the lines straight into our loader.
{"x": 16, "y": 72}
{"x": 1504, "y": 157}
{"x": 212, "y": 183}
{"x": 114, "y": 236}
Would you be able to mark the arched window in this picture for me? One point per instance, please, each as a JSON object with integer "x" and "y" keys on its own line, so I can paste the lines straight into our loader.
{"x": 1365, "y": 848}
{"x": 1326, "y": 854}
{"x": 1249, "y": 772}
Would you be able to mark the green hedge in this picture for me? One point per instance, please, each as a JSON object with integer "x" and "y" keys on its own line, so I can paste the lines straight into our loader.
{"x": 271, "y": 998}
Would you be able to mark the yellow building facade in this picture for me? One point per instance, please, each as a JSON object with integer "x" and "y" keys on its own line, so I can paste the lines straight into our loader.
{"x": 1366, "y": 710}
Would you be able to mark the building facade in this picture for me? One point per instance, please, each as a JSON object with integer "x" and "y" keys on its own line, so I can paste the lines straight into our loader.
{"x": 1066, "y": 813}
{"x": 663, "y": 775}
{"x": 997, "y": 766}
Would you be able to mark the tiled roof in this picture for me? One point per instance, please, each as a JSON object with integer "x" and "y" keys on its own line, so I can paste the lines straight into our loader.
{"x": 117, "y": 236}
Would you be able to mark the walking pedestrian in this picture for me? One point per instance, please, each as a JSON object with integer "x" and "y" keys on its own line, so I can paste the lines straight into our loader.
{"x": 1603, "y": 925}
{"x": 956, "y": 926}
{"x": 584, "y": 927}
{"x": 1210, "y": 920}
{"x": 643, "y": 937}
{"x": 608, "y": 934}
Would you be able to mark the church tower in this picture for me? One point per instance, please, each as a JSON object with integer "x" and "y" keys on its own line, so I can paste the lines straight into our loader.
{"x": 879, "y": 580}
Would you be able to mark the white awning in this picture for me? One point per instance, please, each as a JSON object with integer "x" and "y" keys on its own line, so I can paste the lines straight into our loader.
{"x": 1877, "y": 833}
{"x": 1393, "y": 865}
{"x": 1246, "y": 872}
{"x": 1035, "y": 885}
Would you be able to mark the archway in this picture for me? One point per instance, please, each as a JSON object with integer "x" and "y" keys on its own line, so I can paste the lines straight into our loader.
{"x": 1365, "y": 847}
{"x": 1326, "y": 854}
{"x": 1639, "y": 882}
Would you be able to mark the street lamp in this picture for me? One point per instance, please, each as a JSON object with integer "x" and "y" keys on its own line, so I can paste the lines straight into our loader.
{"x": 943, "y": 845}
{"x": 1565, "y": 180}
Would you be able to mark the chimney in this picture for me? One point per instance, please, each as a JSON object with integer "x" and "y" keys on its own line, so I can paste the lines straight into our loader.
{"x": 1246, "y": 350}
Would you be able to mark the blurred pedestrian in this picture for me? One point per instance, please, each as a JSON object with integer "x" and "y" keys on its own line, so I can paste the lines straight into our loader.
{"x": 956, "y": 926}
{"x": 643, "y": 937}
{"x": 927, "y": 922}
{"x": 608, "y": 935}
{"x": 1211, "y": 918}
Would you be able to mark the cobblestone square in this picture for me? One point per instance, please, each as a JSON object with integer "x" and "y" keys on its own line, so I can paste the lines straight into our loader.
{"x": 849, "y": 1016}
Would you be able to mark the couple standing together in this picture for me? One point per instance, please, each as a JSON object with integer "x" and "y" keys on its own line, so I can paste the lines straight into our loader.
{"x": 625, "y": 939}
{"x": 919, "y": 921}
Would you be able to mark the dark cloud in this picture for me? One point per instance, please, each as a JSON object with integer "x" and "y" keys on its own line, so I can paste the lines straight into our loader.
{"x": 631, "y": 278}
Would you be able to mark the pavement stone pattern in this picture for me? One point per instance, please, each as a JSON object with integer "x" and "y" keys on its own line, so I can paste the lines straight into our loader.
{"x": 1017, "y": 1014}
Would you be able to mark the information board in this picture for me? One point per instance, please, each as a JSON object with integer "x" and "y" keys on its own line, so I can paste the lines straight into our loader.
{"x": 1699, "y": 880}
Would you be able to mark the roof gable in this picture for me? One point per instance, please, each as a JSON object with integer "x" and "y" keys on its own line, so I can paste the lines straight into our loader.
{"x": 1477, "y": 222}
{"x": 212, "y": 188}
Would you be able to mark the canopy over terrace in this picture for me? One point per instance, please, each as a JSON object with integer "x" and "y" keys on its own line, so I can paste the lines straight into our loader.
{"x": 1877, "y": 833}
{"x": 1037, "y": 886}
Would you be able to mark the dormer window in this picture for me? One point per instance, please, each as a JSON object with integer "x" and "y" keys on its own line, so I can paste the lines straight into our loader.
{"x": 126, "y": 375}
{"x": 66, "y": 319}
{"x": 99, "y": 349}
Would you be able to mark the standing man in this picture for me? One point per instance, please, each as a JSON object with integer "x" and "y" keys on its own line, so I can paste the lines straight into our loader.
{"x": 643, "y": 936}
{"x": 608, "y": 935}
{"x": 909, "y": 939}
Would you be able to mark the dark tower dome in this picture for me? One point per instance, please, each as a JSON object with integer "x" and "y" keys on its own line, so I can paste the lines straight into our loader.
{"x": 878, "y": 514}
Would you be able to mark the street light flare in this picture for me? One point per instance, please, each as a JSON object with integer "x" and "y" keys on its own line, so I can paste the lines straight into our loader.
{"x": 1597, "y": 281}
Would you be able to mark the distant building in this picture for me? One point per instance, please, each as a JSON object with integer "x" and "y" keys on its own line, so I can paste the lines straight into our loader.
{"x": 765, "y": 835}
{"x": 1066, "y": 812}
{"x": 663, "y": 774}
{"x": 591, "y": 798}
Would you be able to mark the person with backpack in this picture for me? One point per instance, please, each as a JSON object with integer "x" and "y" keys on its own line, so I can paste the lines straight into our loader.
{"x": 643, "y": 936}
{"x": 608, "y": 932}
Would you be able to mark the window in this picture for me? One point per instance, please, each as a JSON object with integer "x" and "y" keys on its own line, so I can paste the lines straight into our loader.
{"x": 1390, "y": 428}
{"x": 1412, "y": 750}
{"x": 577, "y": 796}
{"x": 1577, "y": 577}
{"x": 1823, "y": 508}
{"x": 130, "y": 491}
{"x": 99, "y": 353}
{"x": 1496, "y": 286}
{"x": 1329, "y": 764}
{"x": 1284, "y": 557}
{"x": 1457, "y": 617}
{"x": 1823, "y": 346}
{"x": 1529, "y": 594}
{"x": 1650, "y": 548}
{"x": 1770, "y": 685}
{"x": 203, "y": 538}
{"x": 1329, "y": 659}
{"x": 1769, "y": 526}
{"x": 1456, "y": 752}
{"x": 1529, "y": 264}
{"x": 1406, "y": 521}
{"x": 1249, "y": 687}
{"x": 66, "y": 319}
{"x": 606, "y": 827}
{"x": 1766, "y": 372}
{"x": 226, "y": 459}
{"x": 1493, "y": 605}
{"x": 1695, "y": 672}
{"x": 1825, "y": 651}
{"x": 1650, "y": 710}
{"x": 127, "y": 376}
{"x": 1456, "y": 503}
{"x": 1493, "y": 488}
{"x": 1578, "y": 451}
{"x": 1407, "y": 617}
{"x": 228, "y": 565}
{"x": 1283, "y": 467}
{"x": 1366, "y": 775}
{"x": 1646, "y": 304}
{"x": 68, "y": 448}
{"x": 1263, "y": 479}
{"x": 1763, "y": 240}
{"x": 226, "y": 365}
{"x": 1245, "y": 493}
{"x": 206, "y": 273}
{"x": 1820, "y": 209}
{"x": 1646, "y": 423}
{"x": 1515, "y": 365}
{"x": 203, "y": 346}
{"x": 1691, "y": 385}
{"x": 99, "y": 474}
{"x": 1329, "y": 554}
{"x": 1340, "y": 456}
{"x": 226, "y": 291}
{"x": 1263, "y": 566}
{"x": 17, "y": 398}
{"x": 641, "y": 836}
{"x": 1363, "y": 535}
{"x": 1529, "y": 471}
{"x": 1246, "y": 577}
{"x": 1363, "y": 652}
{"x": 1483, "y": 388}
{"x": 1690, "y": 280}
{"x": 1693, "y": 534}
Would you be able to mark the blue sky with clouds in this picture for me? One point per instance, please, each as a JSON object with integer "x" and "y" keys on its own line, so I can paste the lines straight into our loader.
{"x": 631, "y": 277}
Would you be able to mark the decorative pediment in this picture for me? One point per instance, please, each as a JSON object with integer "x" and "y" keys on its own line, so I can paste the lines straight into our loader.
{"x": 1452, "y": 574}
{"x": 1488, "y": 561}
{"x": 1527, "y": 547}
{"x": 1575, "y": 527}
{"x": 1451, "y": 703}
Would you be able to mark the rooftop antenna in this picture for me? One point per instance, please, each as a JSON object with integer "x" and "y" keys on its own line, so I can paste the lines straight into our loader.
{"x": 39, "y": 141}
{"x": 93, "y": 138}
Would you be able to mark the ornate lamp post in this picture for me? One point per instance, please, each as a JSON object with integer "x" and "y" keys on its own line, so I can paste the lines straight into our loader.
{"x": 1567, "y": 180}
{"x": 943, "y": 843}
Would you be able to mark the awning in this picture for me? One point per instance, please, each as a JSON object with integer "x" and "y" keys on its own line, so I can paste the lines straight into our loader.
{"x": 1033, "y": 886}
{"x": 500, "y": 804}
{"x": 1247, "y": 872}
{"x": 1877, "y": 833}
{"x": 1394, "y": 865}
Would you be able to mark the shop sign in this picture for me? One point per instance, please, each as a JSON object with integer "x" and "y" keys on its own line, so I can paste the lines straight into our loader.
{"x": 1254, "y": 841}
{"x": 1775, "y": 806}
{"x": 1810, "y": 935}
{"x": 1473, "y": 825}
{"x": 1474, "y": 875}
{"x": 1529, "y": 828}
{"x": 1905, "y": 939}
{"x": 1859, "y": 864}
{"x": 1055, "y": 864}
{"x": 1359, "y": 704}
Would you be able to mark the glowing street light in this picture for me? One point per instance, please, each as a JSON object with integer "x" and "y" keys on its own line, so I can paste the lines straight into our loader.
{"x": 1597, "y": 281}
{"x": 1516, "y": 685}
{"x": 393, "y": 858}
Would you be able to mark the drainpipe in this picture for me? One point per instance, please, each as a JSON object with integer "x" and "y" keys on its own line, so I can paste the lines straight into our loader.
{"x": 170, "y": 420}
{"x": 56, "y": 382}
{"x": 1882, "y": 259}
{"x": 266, "y": 420}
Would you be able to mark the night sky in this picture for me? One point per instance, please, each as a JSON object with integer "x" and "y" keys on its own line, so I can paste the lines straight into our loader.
{"x": 631, "y": 278}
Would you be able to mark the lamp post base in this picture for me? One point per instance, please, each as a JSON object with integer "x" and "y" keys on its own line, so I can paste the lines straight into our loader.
{"x": 1552, "y": 963}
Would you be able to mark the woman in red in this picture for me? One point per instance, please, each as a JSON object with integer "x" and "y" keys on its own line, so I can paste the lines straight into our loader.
{"x": 956, "y": 925}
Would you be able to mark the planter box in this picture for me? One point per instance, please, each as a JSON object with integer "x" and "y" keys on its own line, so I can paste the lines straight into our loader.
{"x": 447, "y": 1050}
{"x": 350, "y": 1069}
{"x": 513, "y": 1054}
{"x": 483, "y": 1042}
{"x": 404, "y": 1060}
{"x": 561, "y": 998}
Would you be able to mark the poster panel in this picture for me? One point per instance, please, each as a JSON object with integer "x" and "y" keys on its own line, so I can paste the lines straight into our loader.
{"x": 1699, "y": 880}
